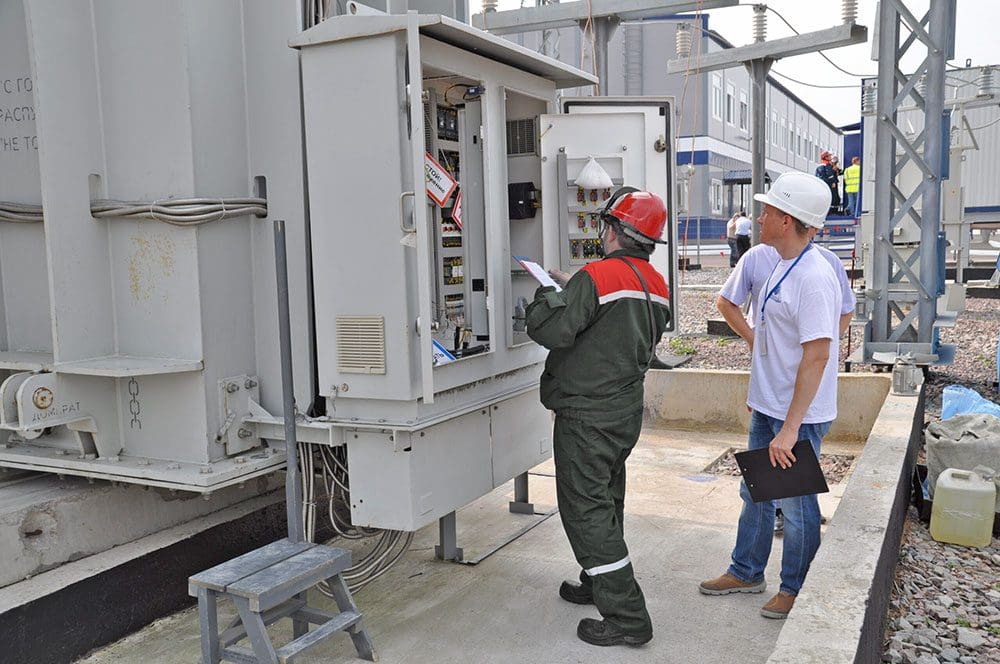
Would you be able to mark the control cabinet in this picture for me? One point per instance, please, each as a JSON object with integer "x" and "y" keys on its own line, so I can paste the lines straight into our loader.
{"x": 459, "y": 298}
{"x": 412, "y": 237}
{"x": 424, "y": 175}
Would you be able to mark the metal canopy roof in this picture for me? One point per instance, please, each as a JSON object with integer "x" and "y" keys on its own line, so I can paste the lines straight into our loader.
{"x": 449, "y": 31}
{"x": 742, "y": 176}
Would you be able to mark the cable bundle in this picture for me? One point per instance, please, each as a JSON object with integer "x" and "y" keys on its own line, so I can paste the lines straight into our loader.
{"x": 333, "y": 475}
{"x": 20, "y": 214}
{"x": 181, "y": 211}
{"x": 174, "y": 211}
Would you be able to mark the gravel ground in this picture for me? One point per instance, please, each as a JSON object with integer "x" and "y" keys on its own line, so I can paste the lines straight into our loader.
{"x": 708, "y": 275}
{"x": 945, "y": 605}
{"x": 696, "y": 306}
{"x": 945, "y": 602}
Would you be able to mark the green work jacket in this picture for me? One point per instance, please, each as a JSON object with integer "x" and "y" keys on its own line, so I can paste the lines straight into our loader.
{"x": 598, "y": 333}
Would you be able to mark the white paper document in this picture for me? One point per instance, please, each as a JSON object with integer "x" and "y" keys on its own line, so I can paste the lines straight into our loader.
{"x": 538, "y": 272}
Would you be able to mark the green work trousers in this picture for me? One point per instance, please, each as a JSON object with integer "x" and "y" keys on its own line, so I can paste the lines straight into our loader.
{"x": 590, "y": 454}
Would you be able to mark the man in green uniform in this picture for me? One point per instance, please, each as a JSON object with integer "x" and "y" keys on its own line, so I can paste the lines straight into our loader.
{"x": 602, "y": 330}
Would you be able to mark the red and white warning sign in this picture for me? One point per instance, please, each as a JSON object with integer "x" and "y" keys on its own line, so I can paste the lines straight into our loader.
{"x": 440, "y": 184}
{"x": 456, "y": 211}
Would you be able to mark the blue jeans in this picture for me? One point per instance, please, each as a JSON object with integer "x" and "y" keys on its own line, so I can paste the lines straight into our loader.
{"x": 852, "y": 203}
{"x": 756, "y": 527}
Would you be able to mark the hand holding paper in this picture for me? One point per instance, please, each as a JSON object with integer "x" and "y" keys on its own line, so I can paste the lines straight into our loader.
{"x": 538, "y": 272}
{"x": 560, "y": 277}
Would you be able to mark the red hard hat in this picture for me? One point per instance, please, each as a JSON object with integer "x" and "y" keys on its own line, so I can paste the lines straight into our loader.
{"x": 642, "y": 214}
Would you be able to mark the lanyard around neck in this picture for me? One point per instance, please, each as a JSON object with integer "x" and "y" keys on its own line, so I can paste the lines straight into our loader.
{"x": 778, "y": 285}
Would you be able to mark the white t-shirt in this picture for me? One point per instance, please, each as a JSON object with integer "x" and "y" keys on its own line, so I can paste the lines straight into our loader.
{"x": 805, "y": 307}
{"x": 747, "y": 278}
{"x": 743, "y": 225}
{"x": 731, "y": 229}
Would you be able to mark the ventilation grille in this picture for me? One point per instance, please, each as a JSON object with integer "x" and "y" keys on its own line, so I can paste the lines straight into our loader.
{"x": 521, "y": 137}
{"x": 429, "y": 125}
{"x": 361, "y": 344}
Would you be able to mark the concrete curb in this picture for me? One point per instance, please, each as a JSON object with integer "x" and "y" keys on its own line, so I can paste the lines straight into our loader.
{"x": 839, "y": 615}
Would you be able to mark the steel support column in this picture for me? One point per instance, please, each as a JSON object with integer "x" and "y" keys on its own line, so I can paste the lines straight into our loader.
{"x": 934, "y": 152}
{"x": 885, "y": 164}
{"x": 758, "y": 146}
{"x": 604, "y": 28}
{"x": 904, "y": 301}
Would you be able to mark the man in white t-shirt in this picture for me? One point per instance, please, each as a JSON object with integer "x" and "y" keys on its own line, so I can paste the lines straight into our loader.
{"x": 793, "y": 383}
{"x": 748, "y": 278}
{"x": 745, "y": 283}
{"x": 734, "y": 254}
{"x": 744, "y": 229}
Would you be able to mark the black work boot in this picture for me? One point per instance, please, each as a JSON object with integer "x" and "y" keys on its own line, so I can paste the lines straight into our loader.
{"x": 577, "y": 593}
{"x": 603, "y": 633}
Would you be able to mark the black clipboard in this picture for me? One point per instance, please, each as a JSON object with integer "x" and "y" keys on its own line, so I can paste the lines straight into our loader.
{"x": 767, "y": 482}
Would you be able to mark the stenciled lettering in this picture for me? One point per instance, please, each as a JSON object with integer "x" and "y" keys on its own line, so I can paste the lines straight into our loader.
{"x": 11, "y": 86}
{"x": 12, "y": 114}
{"x": 61, "y": 410}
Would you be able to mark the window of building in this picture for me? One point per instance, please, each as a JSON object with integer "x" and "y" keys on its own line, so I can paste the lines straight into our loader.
{"x": 730, "y": 104}
{"x": 774, "y": 128}
{"x": 717, "y": 97}
{"x": 791, "y": 136}
{"x": 783, "y": 135}
{"x": 744, "y": 111}
{"x": 716, "y": 196}
{"x": 798, "y": 143}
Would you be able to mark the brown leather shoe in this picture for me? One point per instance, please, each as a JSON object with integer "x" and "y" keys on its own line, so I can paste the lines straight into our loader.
{"x": 727, "y": 584}
{"x": 779, "y": 606}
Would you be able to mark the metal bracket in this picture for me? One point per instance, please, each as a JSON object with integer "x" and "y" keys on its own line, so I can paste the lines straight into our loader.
{"x": 267, "y": 426}
{"x": 447, "y": 548}
{"x": 32, "y": 403}
{"x": 520, "y": 504}
{"x": 236, "y": 393}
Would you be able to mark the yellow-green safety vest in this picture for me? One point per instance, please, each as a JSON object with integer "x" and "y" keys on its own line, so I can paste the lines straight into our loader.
{"x": 852, "y": 178}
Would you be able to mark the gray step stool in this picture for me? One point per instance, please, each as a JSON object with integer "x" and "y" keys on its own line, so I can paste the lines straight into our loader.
{"x": 267, "y": 585}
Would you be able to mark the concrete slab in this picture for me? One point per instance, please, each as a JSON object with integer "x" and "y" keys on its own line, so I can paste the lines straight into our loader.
{"x": 59, "y": 615}
{"x": 680, "y": 525}
{"x": 47, "y": 520}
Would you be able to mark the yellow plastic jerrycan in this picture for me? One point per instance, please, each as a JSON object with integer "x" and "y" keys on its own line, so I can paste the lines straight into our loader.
{"x": 963, "y": 508}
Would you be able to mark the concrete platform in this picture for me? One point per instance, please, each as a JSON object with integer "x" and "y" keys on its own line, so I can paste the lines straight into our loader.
{"x": 680, "y": 525}
{"x": 47, "y": 520}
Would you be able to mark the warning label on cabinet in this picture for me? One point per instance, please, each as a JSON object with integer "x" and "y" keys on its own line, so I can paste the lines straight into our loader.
{"x": 440, "y": 184}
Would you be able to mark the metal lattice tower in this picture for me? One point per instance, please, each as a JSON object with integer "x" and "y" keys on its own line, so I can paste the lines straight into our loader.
{"x": 906, "y": 279}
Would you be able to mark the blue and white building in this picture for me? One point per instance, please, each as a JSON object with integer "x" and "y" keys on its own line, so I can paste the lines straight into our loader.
{"x": 713, "y": 115}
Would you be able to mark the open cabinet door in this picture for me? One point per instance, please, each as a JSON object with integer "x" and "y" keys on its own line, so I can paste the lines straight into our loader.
{"x": 630, "y": 139}
{"x": 421, "y": 223}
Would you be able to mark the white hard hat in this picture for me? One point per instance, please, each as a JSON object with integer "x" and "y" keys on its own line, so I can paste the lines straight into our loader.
{"x": 803, "y": 196}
